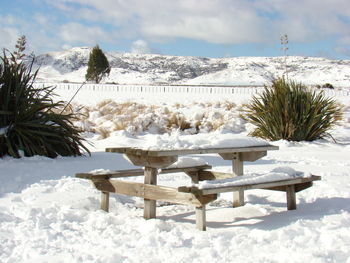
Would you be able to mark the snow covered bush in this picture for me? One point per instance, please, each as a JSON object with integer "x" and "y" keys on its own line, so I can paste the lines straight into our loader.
{"x": 288, "y": 110}
{"x": 109, "y": 116}
{"x": 30, "y": 122}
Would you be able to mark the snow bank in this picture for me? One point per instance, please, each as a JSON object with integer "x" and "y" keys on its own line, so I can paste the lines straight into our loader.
{"x": 58, "y": 219}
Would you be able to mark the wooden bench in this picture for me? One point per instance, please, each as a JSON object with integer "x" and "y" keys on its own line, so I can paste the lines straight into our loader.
{"x": 220, "y": 184}
{"x": 103, "y": 182}
{"x": 196, "y": 195}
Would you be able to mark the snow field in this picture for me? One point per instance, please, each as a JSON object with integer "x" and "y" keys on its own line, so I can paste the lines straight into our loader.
{"x": 58, "y": 220}
{"x": 47, "y": 215}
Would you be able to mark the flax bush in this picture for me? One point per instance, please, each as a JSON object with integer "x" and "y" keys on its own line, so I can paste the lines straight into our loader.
{"x": 289, "y": 110}
{"x": 30, "y": 122}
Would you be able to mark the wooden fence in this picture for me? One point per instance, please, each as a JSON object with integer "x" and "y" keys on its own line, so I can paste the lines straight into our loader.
{"x": 172, "y": 89}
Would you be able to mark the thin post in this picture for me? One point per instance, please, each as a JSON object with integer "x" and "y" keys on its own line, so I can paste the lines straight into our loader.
{"x": 105, "y": 201}
{"x": 201, "y": 218}
{"x": 237, "y": 168}
{"x": 291, "y": 199}
{"x": 150, "y": 205}
{"x": 195, "y": 177}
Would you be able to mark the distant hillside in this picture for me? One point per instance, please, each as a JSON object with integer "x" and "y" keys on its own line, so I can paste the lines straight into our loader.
{"x": 130, "y": 68}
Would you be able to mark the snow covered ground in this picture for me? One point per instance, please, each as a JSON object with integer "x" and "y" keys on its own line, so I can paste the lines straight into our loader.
{"x": 47, "y": 215}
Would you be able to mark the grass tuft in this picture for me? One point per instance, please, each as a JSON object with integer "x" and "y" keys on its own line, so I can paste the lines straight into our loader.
{"x": 289, "y": 110}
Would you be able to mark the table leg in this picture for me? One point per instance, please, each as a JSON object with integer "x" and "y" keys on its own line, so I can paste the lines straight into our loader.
{"x": 105, "y": 201}
{"x": 200, "y": 218}
{"x": 237, "y": 168}
{"x": 291, "y": 199}
{"x": 150, "y": 205}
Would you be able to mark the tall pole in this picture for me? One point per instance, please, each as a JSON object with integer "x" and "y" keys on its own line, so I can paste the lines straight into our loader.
{"x": 284, "y": 43}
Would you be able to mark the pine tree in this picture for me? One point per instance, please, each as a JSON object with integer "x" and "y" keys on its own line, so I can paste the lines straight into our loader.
{"x": 98, "y": 65}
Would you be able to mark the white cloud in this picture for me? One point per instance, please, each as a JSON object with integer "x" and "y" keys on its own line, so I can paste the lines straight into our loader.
{"x": 8, "y": 31}
{"x": 219, "y": 21}
{"x": 38, "y": 38}
{"x": 78, "y": 34}
{"x": 345, "y": 40}
{"x": 213, "y": 21}
{"x": 9, "y": 36}
{"x": 66, "y": 47}
{"x": 141, "y": 47}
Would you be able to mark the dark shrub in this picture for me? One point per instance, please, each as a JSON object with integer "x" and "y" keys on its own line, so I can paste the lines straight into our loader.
{"x": 29, "y": 119}
{"x": 98, "y": 65}
{"x": 290, "y": 111}
{"x": 327, "y": 86}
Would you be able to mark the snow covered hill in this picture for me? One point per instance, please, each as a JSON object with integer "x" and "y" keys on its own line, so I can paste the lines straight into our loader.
{"x": 127, "y": 68}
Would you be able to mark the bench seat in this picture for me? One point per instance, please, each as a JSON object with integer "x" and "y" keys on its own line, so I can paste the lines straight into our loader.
{"x": 205, "y": 187}
{"x": 285, "y": 183}
{"x": 106, "y": 174}
{"x": 105, "y": 181}
{"x": 246, "y": 182}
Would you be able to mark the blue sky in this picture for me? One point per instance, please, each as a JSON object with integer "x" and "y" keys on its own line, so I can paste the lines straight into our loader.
{"x": 206, "y": 28}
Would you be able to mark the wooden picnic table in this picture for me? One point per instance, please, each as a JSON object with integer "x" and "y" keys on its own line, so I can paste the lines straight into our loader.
{"x": 152, "y": 160}
{"x": 159, "y": 161}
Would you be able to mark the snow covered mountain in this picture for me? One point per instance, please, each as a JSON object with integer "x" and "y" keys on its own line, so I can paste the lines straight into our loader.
{"x": 127, "y": 68}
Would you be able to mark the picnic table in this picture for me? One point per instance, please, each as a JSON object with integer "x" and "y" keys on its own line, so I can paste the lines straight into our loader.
{"x": 154, "y": 161}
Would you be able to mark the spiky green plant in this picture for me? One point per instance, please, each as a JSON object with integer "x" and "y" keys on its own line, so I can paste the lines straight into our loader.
{"x": 30, "y": 121}
{"x": 289, "y": 110}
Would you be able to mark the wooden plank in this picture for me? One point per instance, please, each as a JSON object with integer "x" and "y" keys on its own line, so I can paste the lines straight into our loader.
{"x": 252, "y": 156}
{"x": 138, "y": 172}
{"x": 111, "y": 174}
{"x": 237, "y": 168}
{"x": 150, "y": 205}
{"x": 224, "y": 189}
{"x": 298, "y": 187}
{"x": 117, "y": 149}
{"x": 105, "y": 201}
{"x": 151, "y": 161}
{"x": 238, "y": 198}
{"x": 237, "y": 165}
{"x": 185, "y": 169}
{"x": 291, "y": 199}
{"x": 201, "y": 218}
{"x": 153, "y": 192}
{"x": 194, "y": 176}
{"x": 136, "y": 151}
{"x": 213, "y": 175}
{"x": 301, "y": 187}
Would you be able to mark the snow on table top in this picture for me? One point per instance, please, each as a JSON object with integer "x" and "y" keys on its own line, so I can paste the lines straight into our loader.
{"x": 100, "y": 171}
{"x": 176, "y": 141}
{"x": 277, "y": 174}
{"x": 188, "y": 162}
